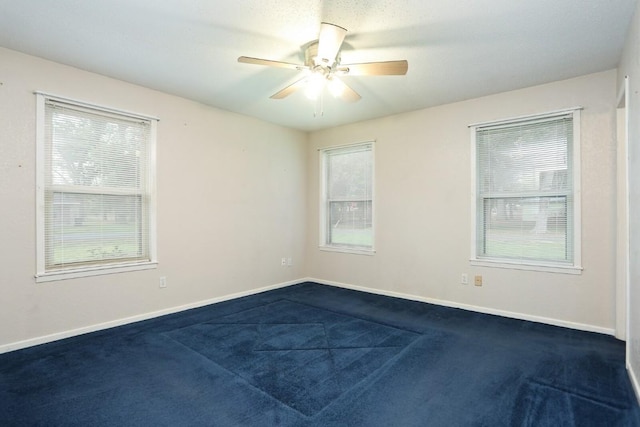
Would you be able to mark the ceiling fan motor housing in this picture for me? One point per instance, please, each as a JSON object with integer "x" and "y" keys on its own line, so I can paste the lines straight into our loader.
{"x": 310, "y": 55}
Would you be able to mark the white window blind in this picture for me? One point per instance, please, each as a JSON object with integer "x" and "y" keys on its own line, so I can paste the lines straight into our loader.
{"x": 525, "y": 204}
{"x": 347, "y": 207}
{"x": 96, "y": 187}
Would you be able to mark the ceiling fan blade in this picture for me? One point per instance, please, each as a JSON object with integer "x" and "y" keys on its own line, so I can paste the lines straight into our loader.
{"x": 340, "y": 89}
{"x": 299, "y": 84}
{"x": 329, "y": 43}
{"x": 388, "y": 68}
{"x": 270, "y": 63}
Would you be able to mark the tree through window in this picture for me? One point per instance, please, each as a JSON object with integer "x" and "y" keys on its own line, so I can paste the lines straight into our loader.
{"x": 96, "y": 189}
{"x": 525, "y": 190}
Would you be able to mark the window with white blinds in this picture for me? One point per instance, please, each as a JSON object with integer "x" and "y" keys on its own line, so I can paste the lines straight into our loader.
{"x": 526, "y": 182}
{"x": 95, "y": 189}
{"x": 347, "y": 198}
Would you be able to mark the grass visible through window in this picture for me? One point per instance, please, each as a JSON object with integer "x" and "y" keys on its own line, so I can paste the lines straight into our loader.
{"x": 352, "y": 237}
{"x": 93, "y": 242}
{"x": 550, "y": 246}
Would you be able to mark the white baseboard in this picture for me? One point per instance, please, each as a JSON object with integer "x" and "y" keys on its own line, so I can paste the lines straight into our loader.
{"x": 146, "y": 316}
{"x": 127, "y": 320}
{"x": 479, "y": 309}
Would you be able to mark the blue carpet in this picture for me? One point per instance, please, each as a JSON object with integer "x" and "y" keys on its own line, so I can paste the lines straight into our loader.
{"x": 302, "y": 356}
{"x": 313, "y": 355}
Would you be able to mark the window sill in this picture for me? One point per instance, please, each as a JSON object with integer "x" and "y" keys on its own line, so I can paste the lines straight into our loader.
{"x": 94, "y": 271}
{"x": 348, "y": 250}
{"x": 547, "y": 268}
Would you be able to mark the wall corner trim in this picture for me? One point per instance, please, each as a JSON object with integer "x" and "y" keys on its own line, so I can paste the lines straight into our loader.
{"x": 634, "y": 381}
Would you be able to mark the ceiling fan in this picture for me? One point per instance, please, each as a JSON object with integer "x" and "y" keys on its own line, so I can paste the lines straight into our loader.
{"x": 322, "y": 67}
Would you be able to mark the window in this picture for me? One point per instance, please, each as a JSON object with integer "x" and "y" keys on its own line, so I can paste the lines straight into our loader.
{"x": 95, "y": 190}
{"x": 527, "y": 192}
{"x": 346, "y": 217}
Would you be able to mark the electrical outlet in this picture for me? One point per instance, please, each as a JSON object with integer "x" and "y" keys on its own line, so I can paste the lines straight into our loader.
{"x": 289, "y": 262}
{"x": 163, "y": 282}
{"x": 478, "y": 281}
{"x": 464, "y": 279}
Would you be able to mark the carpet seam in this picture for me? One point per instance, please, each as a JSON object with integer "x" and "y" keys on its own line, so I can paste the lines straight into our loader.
{"x": 580, "y": 395}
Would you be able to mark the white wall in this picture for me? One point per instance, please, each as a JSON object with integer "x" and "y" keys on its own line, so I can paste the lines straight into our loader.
{"x": 236, "y": 194}
{"x": 230, "y": 205}
{"x": 630, "y": 66}
{"x": 423, "y": 209}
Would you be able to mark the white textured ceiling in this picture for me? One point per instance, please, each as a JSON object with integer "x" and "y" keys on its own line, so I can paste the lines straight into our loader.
{"x": 457, "y": 49}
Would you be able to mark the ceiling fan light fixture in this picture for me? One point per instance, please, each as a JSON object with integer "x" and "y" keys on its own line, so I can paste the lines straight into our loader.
{"x": 335, "y": 86}
{"x": 315, "y": 84}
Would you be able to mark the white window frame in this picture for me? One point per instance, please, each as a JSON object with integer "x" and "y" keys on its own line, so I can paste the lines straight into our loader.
{"x": 545, "y": 266}
{"x": 44, "y": 275}
{"x": 324, "y": 202}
